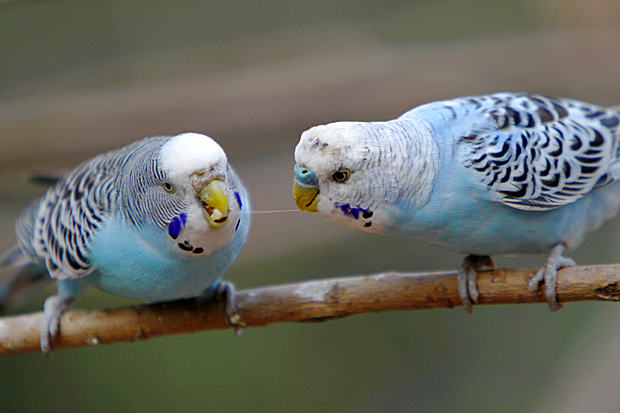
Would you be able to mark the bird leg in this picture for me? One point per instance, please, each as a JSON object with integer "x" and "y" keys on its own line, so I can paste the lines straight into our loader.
{"x": 224, "y": 291}
{"x": 468, "y": 278}
{"x": 53, "y": 308}
{"x": 549, "y": 274}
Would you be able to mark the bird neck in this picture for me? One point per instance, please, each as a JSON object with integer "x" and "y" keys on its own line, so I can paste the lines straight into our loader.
{"x": 411, "y": 158}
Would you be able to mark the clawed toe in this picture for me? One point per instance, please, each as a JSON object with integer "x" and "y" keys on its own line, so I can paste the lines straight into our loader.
{"x": 548, "y": 274}
{"x": 53, "y": 308}
{"x": 463, "y": 288}
{"x": 227, "y": 291}
{"x": 467, "y": 279}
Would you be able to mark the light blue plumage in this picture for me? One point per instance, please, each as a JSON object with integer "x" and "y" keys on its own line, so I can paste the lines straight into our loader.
{"x": 498, "y": 174}
{"x": 160, "y": 219}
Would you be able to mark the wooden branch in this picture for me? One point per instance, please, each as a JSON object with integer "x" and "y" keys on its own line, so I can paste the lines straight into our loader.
{"x": 306, "y": 301}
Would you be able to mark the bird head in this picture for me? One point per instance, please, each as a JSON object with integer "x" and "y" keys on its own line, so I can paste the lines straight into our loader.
{"x": 359, "y": 173}
{"x": 336, "y": 175}
{"x": 198, "y": 178}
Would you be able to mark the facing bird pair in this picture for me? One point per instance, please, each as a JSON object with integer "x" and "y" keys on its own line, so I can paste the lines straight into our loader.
{"x": 160, "y": 219}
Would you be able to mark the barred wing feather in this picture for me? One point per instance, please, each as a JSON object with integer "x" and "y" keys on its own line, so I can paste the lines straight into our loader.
{"x": 540, "y": 153}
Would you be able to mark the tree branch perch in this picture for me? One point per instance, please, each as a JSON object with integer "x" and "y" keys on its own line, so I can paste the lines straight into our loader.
{"x": 306, "y": 301}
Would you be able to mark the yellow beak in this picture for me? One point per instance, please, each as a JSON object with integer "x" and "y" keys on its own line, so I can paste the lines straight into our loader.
{"x": 215, "y": 198}
{"x": 306, "y": 196}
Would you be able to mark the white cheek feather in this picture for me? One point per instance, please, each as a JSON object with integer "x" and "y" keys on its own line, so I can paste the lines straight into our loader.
{"x": 201, "y": 234}
{"x": 188, "y": 153}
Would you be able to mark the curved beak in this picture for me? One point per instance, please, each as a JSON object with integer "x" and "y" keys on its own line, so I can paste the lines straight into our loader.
{"x": 305, "y": 189}
{"x": 305, "y": 197}
{"x": 214, "y": 195}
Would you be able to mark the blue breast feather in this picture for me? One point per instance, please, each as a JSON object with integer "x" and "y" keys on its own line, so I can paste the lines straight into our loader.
{"x": 146, "y": 266}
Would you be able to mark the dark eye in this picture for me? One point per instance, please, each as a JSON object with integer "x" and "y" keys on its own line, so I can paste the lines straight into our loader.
{"x": 341, "y": 176}
{"x": 168, "y": 187}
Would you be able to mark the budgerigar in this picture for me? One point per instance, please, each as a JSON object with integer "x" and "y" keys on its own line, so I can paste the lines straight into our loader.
{"x": 497, "y": 174}
{"x": 160, "y": 219}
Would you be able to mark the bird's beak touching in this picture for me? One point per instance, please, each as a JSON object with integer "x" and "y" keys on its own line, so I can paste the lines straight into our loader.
{"x": 305, "y": 189}
{"x": 214, "y": 195}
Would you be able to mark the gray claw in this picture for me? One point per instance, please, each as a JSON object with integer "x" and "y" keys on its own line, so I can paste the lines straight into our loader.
{"x": 462, "y": 281}
{"x": 53, "y": 308}
{"x": 227, "y": 291}
{"x": 548, "y": 274}
{"x": 467, "y": 279}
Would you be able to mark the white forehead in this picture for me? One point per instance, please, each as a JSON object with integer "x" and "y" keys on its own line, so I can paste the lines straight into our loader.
{"x": 191, "y": 152}
{"x": 323, "y": 146}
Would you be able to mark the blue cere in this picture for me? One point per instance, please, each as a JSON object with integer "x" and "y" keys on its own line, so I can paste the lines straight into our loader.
{"x": 177, "y": 224}
{"x": 238, "y": 196}
{"x": 305, "y": 176}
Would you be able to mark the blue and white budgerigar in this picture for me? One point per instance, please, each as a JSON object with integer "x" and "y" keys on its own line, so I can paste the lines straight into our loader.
{"x": 498, "y": 174}
{"x": 160, "y": 219}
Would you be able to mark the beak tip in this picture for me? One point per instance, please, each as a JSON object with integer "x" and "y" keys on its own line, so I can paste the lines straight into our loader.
{"x": 215, "y": 198}
{"x": 306, "y": 197}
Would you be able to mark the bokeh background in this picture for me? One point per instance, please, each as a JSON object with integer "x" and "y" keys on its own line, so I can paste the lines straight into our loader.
{"x": 81, "y": 77}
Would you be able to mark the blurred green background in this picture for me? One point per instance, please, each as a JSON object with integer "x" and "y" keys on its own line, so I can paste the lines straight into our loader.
{"x": 81, "y": 77}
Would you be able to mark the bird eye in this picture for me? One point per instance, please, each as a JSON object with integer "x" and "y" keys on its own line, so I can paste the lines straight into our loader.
{"x": 341, "y": 176}
{"x": 168, "y": 187}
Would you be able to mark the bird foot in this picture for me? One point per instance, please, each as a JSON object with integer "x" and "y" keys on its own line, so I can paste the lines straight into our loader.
{"x": 549, "y": 274}
{"x": 226, "y": 291}
{"x": 53, "y": 308}
{"x": 468, "y": 279}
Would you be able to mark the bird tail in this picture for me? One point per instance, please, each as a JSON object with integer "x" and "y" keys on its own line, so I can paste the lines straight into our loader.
{"x": 20, "y": 279}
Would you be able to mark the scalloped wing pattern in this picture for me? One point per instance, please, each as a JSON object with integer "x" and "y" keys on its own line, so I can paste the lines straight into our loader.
{"x": 539, "y": 153}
